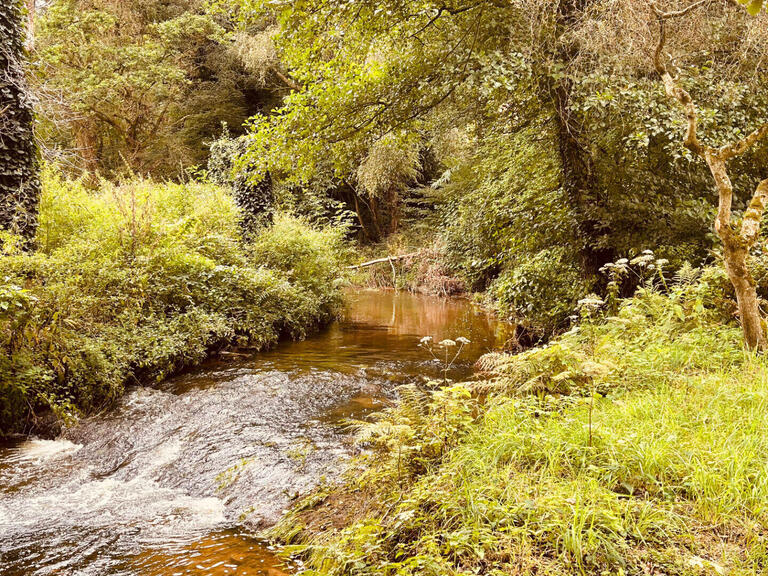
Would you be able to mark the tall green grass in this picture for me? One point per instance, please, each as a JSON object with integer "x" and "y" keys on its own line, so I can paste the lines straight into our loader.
{"x": 635, "y": 444}
{"x": 137, "y": 280}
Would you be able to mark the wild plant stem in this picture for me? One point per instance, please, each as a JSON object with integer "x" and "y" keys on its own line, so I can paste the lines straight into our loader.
{"x": 591, "y": 407}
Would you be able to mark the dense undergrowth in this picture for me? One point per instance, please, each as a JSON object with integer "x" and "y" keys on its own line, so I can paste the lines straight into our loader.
{"x": 500, "y": 227}
{"x": 425, "y": 270}
{"x": 636, "y": 443}
{"x": 139, "y": 280}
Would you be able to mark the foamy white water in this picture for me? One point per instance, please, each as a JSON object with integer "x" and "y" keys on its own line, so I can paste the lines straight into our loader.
{"x": 180, "y": 470}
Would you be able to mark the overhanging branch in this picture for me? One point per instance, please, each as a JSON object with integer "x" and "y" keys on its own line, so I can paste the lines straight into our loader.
{"x": 738, "y": 148}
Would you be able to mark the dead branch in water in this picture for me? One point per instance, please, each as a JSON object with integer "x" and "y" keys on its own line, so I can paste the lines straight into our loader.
{"x": 389, "y": 259}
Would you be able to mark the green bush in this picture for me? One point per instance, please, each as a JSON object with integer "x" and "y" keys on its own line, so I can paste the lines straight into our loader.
{"x": 138, "y": 280}
{"x": 508, "y": 228}
{"x": 505, "y": 205}
{"x": 309, "y": 257}
{"x": 541, "y": 292}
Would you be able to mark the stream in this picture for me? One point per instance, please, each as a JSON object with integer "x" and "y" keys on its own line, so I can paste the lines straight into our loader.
{"x": 178, "y": 477}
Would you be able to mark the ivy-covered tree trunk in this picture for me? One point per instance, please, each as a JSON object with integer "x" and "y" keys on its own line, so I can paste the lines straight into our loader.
{"x": 19, "y": 182}
{"x": 579, "y": 176}
{"x": 256, "y": 203}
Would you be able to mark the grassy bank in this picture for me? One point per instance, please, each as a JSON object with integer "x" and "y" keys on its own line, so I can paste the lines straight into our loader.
{"x": 635, "y": 444}
{"x": 136, "y": 281}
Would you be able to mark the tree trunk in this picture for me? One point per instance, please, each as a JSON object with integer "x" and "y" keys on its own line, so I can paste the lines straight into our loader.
{"x": 375, "y": 218}
{"x": 735, "y": 257}
{"x": 579, "y": 175}
{"x": 580, "y": 187}
{"x": 393, "y": 201}
{"x": 256, "y": 203}
{"x": 31, "y": 10}
{"x": 360, "y": 215}
{"x": 19, "y": 183}
{"x": 736, "y": 242}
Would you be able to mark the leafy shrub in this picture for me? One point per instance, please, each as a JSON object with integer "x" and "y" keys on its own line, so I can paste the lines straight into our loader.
{"x": 651, "y": 339}
{"x": 508, "y": 228}
{"x": 308, "y": 257}
{"x": 540, "y": 292}
{"x": 138, "y": 280}
{"x": 505, "y": 205}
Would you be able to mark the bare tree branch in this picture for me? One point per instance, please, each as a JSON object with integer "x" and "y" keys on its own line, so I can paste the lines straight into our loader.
{"x": 750, "y": 223}
{"x": 738, "y": 148}
{"x": 673, "y": 89}
{"x": 724, "y": 191}
{"x": 287, "y": 80}
{"x": 678, "y": 13}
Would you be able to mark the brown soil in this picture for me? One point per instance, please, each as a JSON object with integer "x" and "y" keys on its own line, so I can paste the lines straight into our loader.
{"x": 341, "y": 508}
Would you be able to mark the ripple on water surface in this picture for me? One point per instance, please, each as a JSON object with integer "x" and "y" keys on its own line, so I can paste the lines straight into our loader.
{"x": 175, "y": 478}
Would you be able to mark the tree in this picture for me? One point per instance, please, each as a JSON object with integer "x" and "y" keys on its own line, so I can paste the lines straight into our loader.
{"x": 140, "y": 86}
{"x": 19, "y": 184}
{"x": 359, "y": 118}
{"x": 395, "y": 74}
{"x": 580, "y": 179}
{"x": 737, "y": 239}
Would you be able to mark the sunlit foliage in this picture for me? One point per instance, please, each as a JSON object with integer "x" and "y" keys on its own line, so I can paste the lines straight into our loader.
{"x": 135, "y": 281}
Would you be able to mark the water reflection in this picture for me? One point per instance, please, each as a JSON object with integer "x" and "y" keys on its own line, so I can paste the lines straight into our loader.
{"x": 378, "y": 336}
{"x": 221, "y": 554}
{"x": 175, "y": 478}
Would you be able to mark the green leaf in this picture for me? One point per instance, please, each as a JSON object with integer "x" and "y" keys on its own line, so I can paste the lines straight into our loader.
{"x": 753, "y": 6}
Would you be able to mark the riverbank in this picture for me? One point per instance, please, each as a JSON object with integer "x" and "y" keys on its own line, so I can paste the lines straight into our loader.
{"x": 135, "y": 282}
{"x": 421, "y": 261}
{"x": 418, "y": 265}
{"x": 177, "y": 477}
{"x": 635, "y": 444}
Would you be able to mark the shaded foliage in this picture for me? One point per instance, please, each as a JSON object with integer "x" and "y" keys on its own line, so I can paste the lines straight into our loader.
{"x": 19, "y": 183}
{"x": 256, "y": 200}
{"x": 139, "y": 86}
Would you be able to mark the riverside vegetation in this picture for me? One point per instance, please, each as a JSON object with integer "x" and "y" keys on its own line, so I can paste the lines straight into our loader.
{"x": 137, "y": 280}
{"x": 633, "y": 444}
{"x": 595, "y": 171}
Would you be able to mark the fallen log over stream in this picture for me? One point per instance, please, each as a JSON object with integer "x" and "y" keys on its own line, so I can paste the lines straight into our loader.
{"x": 382, "y": 260}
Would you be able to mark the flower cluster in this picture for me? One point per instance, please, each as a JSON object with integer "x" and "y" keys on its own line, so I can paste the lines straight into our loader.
{"x": 461, "y": 342}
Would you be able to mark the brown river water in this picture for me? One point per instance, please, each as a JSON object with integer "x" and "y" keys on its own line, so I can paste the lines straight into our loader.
{"x": 178, "y": 478}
